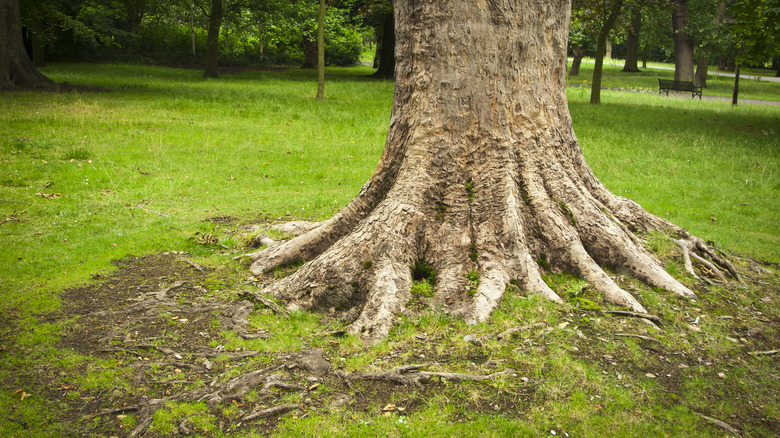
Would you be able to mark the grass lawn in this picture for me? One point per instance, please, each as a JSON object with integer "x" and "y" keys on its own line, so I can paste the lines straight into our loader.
{"x": 647, "y": 80}
{"x": 148, "y": 176}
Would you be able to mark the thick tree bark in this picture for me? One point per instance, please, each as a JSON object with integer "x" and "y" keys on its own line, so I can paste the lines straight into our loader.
{"x": 601, "y": 45}
{"x": 386, "y": 50}
{"x": 482, "y": 179}
{"x": 683, "y": 48}
{"x": 632, "y": 42}
{"x": 212, "y": 39}
{"x": 16, "y": 67}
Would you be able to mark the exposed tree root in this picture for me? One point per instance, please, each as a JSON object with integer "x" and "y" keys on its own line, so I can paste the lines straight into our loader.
{"x": 722, "y": 424}
{"x": 652, "y": 318}
{"x": 255, "y": 296}
{"x": 642, "y": 337}
{"x": 411, "y": 375}
{"x": 367, "y": 275}
{"x": 219, "y": 392}
{"x": 263, "y": 413}
{"x": 692, "y": 244}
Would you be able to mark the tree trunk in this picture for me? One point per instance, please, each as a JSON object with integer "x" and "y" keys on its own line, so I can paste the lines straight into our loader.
{"x": 735, "y": 94}
{"x": 481, "y": 180}
{"x": 260, "y": 37}
{"x": 595, "y": 90}
{"x": 683, "y": 48}
{"x": 309, "y": 53}
{"x": 608, "y": 52}
{"x": 632, "y": 42}
{"x": 212, "y": 39}
{"x": 16, "y": 67}
{"x": 578, "y": 53}
{"x": 38, "y": 58}
{"x": 192, "y": 25}
{"x": 321, "y": 51}
{"x": 386, "y": 50}
{"x": 702, "y": 65}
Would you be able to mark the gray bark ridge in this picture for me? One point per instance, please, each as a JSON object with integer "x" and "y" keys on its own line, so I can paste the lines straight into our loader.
{"x": 482, "y": 179}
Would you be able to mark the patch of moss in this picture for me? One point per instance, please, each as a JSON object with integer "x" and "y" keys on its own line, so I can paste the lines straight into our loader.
{"x": 473, "y": 253}
{"x": 524, "y": 196}
{"x": 470, "y": 190}
{"x": 441, "y": 209}
{"x": 422, "y": 288}
{"x": 422, "y": 271}
{"x": 473, "y": 278}
{"x": 585, "y": 304}
{"x": 568, "y": 213}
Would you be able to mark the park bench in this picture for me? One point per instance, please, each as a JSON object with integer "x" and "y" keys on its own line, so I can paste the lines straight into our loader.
{"x": 668, "y": 84}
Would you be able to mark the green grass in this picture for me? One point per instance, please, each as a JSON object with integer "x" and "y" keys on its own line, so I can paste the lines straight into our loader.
{"x": 647, "y": 80}
{"x": 708, "y": 167}
{"x": 256, "y": 145}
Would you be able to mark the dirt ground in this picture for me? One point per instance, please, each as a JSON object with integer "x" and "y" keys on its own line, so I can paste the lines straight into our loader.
{"x": 158, "y": 324}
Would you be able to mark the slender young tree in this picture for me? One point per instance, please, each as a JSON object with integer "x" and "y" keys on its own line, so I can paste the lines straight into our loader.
{"x": 612, "y": 12}
{"x": 482, "y": 181}
{"x": 321, "y": 51}
{"x": 16, "y": 67}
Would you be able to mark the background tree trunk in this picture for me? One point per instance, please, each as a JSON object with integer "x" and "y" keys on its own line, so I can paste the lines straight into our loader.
{"x": 38, "y": 58}
{"x": 321, "y": 51}
{"x": 212, "y": 39}
{"x": 309, "y": 53}
{"x": 609, "y": 22}
{"x": 735, "y": 93}
{"x": 481, "y": 178}
{"x": 632, "y": 42}
{"x": 16, "y": 67}
{"x": 702, "y": 66}
{"x": 386, "y": 50}
{"x": 192, "y": 25}
{"x": 260, "y": 38}
{"x": 578, "y": 53}
{"x": 683, "y": 48}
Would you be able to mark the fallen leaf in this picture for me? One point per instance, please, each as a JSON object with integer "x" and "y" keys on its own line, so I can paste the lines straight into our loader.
{"x": 49, "y": 195}
{"x": 390, "y": 407}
